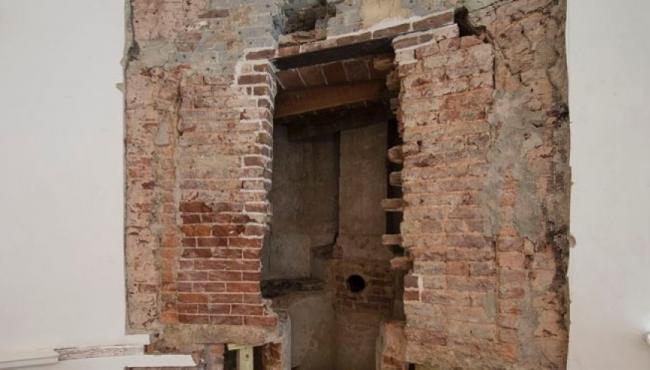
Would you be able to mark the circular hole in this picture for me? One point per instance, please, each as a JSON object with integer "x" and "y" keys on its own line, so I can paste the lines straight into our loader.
{"x": 356, "y": 283}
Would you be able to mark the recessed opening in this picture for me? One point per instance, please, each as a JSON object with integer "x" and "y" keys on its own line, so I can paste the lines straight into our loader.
{"x": 333, "y": 126}
{"x": 356, "y": 283}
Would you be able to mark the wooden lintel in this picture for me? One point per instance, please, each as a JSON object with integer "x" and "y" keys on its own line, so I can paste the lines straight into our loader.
{"x": 370, "y": 47}
{"x": 293, "y": 102}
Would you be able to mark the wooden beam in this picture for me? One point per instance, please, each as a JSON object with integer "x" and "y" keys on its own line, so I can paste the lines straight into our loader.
{"x": 377, "y": 46}
{"x": 310, "y": 99}
{"x": 307, "y": 126}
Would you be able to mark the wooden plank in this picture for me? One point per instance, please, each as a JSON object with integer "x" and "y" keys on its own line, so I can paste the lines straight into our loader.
{"x": 245, "y": 358}
{"x": 294, "y": 102}
{"x": 370, "y": 47}
{"x": 76, "y": 353}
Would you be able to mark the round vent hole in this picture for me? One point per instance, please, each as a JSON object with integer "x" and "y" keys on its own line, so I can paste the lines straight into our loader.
{"x": 356, "y": 283}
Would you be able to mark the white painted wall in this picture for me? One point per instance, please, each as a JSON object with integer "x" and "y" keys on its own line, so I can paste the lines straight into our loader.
{"x": 609, "y": 75}
{"x": 61, "y": 253}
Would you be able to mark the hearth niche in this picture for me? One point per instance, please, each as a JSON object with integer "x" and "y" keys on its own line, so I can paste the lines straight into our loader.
{"x": 326, "y": 263}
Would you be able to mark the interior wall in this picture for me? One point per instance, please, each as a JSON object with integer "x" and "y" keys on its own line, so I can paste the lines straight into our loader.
{"x": 305, "y": 221}
{"x": 359, "y": 250}
{"x": 61, "y": 163}
{"x": 304, "y": 198}
{"x": 326, "y": 188}
{"x": 609, "y": 272}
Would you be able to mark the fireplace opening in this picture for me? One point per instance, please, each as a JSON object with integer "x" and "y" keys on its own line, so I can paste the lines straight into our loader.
{"x": 325, "y": 263}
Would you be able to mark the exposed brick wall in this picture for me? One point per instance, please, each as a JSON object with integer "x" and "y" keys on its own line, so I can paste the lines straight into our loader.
{"x": 486, "y": 180}
{"x": 481, "y": 218}
{"x": 198, "y": 151}
{"x": 223, "y": 164}
{"x": 213, "y": 175}
{"x": 378, "y": 294}
{"x": 450, "y": 295}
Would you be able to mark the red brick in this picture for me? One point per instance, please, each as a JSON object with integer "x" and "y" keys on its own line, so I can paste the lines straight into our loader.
{"x": 196, "y": 230}
{"x": 215, "y": 309}
{"x": 191, "y": 219}
{"x": 252, "y": 79}
{"x": 246, "y": 242}
{"x": 251, "y": 253}
{"x": 226, "y": 320}
{"x": 195, "y": 207}
{"x": 208, "y": 288}
{"x": 226, "y": 298}
{"x": 357, "y": 70}
{"x": 225, "y": 275}
{"x": 192, "y": 276}
{"x": 334, "y": 73}
{"x": 192, "y": 298}
{"x": 434, "y": 21}
{"x": 215, "y": 13}
{"x": 254, "y": 230}
{"x": 252, "y": 298}
{"x": 229, "y": 253}
{"x": 251, "y": 276}
{"x": 391, "y": 31}
{"x": 261, "y": 321}
{"x": 212, "y": 242}
{"x": 260, "y": 54}
{"x": 244, "y": 309}
{"x": 193, "y": 319}
{"x": 244, "y": 287}
{"x": 197, "y": 253}
{"x": 411, "y": 295}
{"x": 312, "y": 75}
{"x": 411, "y": 281}
{"x": 227, "y": 230}
{"x": 289, "y": 79}
{"x": 188, "y": 242}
